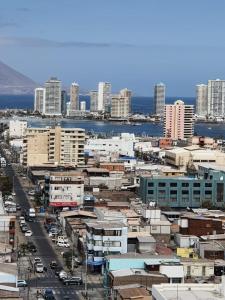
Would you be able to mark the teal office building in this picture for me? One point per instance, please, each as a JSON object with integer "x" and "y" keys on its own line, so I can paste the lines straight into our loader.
{"x": 180, "y": 192}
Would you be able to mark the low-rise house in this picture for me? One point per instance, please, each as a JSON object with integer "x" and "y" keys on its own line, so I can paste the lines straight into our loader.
{"x": 186, "y": 241}
{"x": 8, "y": 274}
{"x": 211, "y": 250}
{"x": 125, "y": 277}
{"x": 146, "y": 244}
{"x": 138, "y": 293}
{"x": 203, "y": 268}
{"x": 173, "y": 271}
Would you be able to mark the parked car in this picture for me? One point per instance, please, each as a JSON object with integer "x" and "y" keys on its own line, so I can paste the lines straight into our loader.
{"x": 53, "y": 264}
{"x": 22, "y": 223}
{"x": 28, "y": 233}
{"x": 63, "y": 244}
{"x": 18, "y": 207}
{"x": 49, "y": 295}
{"x": 31, "y": 247}
{"x": 24, "y": 228}
{"x": 21, "y": 283}
{"x": 73, "y": 281}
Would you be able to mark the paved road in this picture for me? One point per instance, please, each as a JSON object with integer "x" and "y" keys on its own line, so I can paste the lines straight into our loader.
{"x": 44, "y": 247}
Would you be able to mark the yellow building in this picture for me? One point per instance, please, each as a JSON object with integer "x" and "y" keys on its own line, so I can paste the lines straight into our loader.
{"x": 53, "y": 145}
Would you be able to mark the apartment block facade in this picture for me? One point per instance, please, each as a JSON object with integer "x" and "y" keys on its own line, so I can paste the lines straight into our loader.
{"x": 52, "y": 105}
{"x": 56, "y": 145}
{"x": 178, "y": 120}
{"x": 159, "y": 99}
{"x": 184, "y": 191}
{"x": 64, "y": 189}
{"x": 104, "y": 238}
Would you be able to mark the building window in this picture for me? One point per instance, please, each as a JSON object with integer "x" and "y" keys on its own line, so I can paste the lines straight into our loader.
{"x": 197, "y": 192}
{"x": 208, "y": 184}
{"x": 150, "y": 184}
{"x": 173, "y": 192}
{"x": 150, "y": 192}
{"x": 173, "y": 184}
{"x": 208, "y": 192}
{"x": 161, "y": 184}
{"x": 162, "y": 192}
{"x": 196, "y": 184}
{"x": 220, "y": 192}
{"x": 185, "y": 184}
{"x": 185, "y": 192}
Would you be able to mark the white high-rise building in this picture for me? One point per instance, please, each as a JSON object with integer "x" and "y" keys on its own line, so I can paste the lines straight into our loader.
{"x": 202, "y": 99}
{"x": 93, "y": 101}
{"x": 104, "y": 96}
{"x": 39, "y": 100}
{"x": 74, "y": 96}
{"x": 159, "y": 99}
{"x": 216, "y": 98}
{"x": 52, "y": 97}
{"x": 83, "y": 105}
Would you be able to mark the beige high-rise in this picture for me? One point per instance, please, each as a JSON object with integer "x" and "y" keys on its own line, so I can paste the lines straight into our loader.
{"x": 74, "y": 96}
{"x": 120, "y": 107}
{"x": 56, "y": 145}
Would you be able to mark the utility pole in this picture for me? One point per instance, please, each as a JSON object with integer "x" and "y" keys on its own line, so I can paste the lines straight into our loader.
{"x": 86, "y": 266}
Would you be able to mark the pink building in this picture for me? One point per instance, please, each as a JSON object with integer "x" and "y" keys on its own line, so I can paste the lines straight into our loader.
{"x": 178, "y": 120}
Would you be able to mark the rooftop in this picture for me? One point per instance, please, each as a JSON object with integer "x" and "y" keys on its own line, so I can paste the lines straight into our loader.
{"x": 194, "y": 291}
{"x": 106, "y": 225}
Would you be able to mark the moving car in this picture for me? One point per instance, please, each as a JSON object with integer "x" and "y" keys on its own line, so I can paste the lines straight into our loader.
{"x": 53, "y": 264}
{"x": 73, "y": 281}
{"x": 39, "y": 268}
{"x": 21, "y": 283}
{"x": 37, "y": 260}
{"x": 48, "y": 294}
{"x": 63, "y": 275}
{"x": 24, "y": 228}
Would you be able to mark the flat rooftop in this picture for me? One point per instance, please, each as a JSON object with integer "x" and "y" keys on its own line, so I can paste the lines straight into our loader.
{"x": 106, "y": 225}
{"x": 188, "y": 291}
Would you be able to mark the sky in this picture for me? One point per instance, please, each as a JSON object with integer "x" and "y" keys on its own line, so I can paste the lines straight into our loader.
{"x": 130, "y": 43}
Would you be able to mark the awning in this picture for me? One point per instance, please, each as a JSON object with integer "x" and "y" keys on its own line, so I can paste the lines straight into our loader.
{"x": 62, "y": 204}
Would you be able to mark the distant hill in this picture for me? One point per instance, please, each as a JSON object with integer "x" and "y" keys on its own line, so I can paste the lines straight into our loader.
{"x": 12, "y": 82}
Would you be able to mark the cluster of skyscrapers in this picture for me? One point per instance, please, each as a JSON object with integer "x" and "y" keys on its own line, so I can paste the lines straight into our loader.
{"x": 210, "y": 98}
{"x": 51, "y": 100}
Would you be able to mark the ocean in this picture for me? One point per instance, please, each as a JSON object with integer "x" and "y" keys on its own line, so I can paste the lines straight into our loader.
{"x": 139, "y": 105}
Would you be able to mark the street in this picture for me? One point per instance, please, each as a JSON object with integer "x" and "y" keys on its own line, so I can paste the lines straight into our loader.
{"x": 44, "y": 249}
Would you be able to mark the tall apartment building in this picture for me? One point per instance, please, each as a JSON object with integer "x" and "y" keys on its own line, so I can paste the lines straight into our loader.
{"x": 39, "y": 100}
{"x": 17, "y": 128}
{"x": 93, "y": 101}
{"x": 120, "y": 106}
{"x": 178, "y": 120}
{"x": 202, "y": 99}
{"x": 159, "y": 99}
{"x": 74, "y": 96}
{"x": 83, "y": 105}
{"x": 216, "y": 97}
{"x": 127, "y": 93}
{"x": 64, "y": 189}
{"x": 52, "y": 97}
{"x": 56, "y": 145}
{"x": 63, "y": 102}
{"x": 104, "y": 96}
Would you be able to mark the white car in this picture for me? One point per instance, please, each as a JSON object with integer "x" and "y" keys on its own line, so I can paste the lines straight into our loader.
{"x": 28, "y": 233}
{"x": 37, "y": 260}
{"x": 31, "y": 193}
{"x": 63, "y": 244}
{"x": 39, "y": 268}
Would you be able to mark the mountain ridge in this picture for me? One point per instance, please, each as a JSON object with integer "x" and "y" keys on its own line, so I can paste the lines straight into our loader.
{"x": 13, "y": 82}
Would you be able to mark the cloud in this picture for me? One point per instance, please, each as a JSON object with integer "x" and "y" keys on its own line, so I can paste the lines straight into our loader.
{"x": 44, "y": 43}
